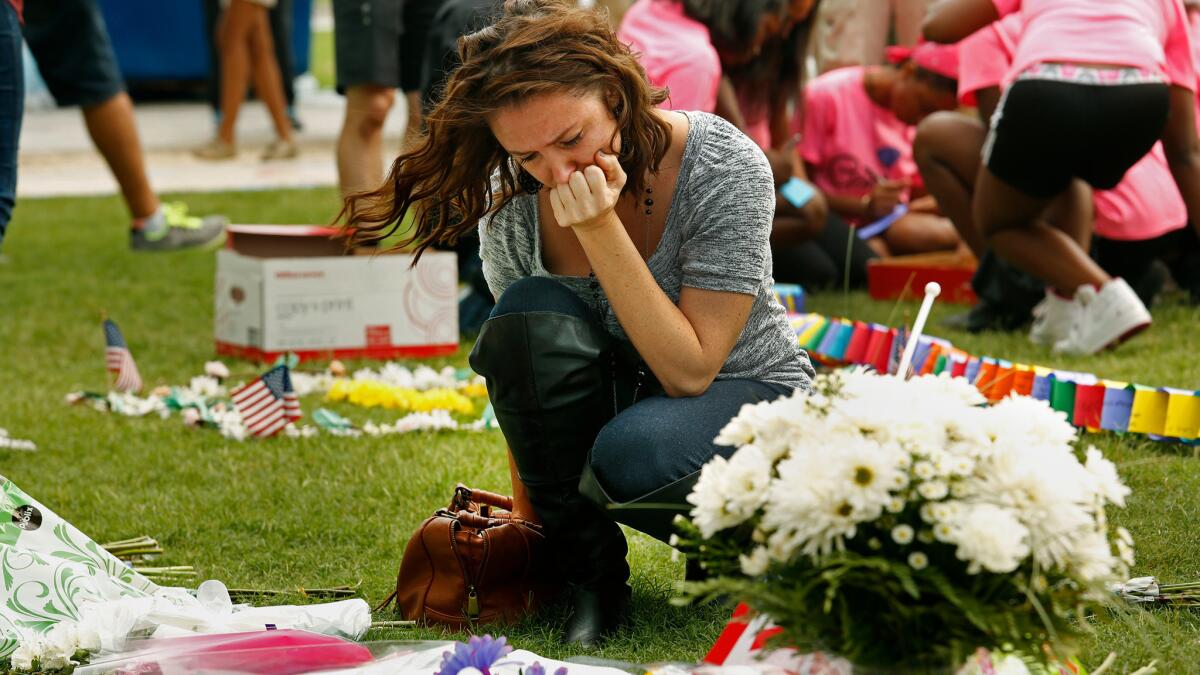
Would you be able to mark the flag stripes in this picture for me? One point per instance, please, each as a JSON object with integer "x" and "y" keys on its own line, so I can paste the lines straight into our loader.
{"x": 268, "y": 404}
{"x": 119, "y": 361}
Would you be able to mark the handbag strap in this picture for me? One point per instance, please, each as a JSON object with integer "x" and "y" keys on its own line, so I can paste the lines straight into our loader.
{"x": 479, "y": 522}
{"x": 464, "y": 495}
{"x": 385, "y": 603}
{"x": 492, "y": 499}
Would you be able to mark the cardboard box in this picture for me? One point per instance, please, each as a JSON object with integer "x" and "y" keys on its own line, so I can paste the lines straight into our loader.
{"x": 292, "y": 289}
{"x": 888, "y": 278}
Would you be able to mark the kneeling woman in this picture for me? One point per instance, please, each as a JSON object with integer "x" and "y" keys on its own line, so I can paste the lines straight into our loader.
{"x": 627, "y": 247}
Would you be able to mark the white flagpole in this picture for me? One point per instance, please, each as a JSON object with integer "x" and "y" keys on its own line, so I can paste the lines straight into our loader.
{"x": 932, "y": 290}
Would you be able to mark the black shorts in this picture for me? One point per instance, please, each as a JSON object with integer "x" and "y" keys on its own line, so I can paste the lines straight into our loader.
{"x": 74, "y": 55}
{"x": 1046, "y": 132}
{"x": 381, "y": 42}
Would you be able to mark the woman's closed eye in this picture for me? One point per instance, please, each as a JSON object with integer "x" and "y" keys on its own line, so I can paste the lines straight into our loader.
{"x": 525, "y": 159}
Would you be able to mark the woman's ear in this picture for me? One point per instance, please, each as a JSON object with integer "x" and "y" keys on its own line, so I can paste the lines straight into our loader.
{"x": 615, "y": 103}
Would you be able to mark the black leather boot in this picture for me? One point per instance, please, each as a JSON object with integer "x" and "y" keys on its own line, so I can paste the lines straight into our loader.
{"x": 1007, "y": 295}
{"x": 549, "y": 376}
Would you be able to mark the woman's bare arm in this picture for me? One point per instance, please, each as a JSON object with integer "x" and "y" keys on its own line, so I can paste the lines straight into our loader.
{"x": 952, "y": 20}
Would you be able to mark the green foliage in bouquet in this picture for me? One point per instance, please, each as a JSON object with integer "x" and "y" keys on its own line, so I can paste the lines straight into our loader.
{"x": 902, "y": 525}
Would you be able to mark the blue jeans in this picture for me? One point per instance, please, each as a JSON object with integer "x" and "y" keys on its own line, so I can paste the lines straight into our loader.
{"x": 12, "y": 107}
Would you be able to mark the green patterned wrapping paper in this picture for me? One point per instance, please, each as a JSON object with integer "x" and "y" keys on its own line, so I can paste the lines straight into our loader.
{"x": 48, "y": 568}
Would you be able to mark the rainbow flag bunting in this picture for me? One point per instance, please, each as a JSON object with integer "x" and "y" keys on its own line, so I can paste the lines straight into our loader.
{"x": 1088, "y": 402}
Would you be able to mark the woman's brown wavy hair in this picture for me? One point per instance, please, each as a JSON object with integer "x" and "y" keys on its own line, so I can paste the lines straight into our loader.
{"x": 535, "y": 47}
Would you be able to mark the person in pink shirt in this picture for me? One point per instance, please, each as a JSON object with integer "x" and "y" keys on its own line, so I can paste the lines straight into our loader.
{"x": 1093, "y": 85}
{"x": 1141, "y": 220}
{"x": 856, "y": 126}
{"x": 684, "y": 44}
{"x": 676, "y": 51}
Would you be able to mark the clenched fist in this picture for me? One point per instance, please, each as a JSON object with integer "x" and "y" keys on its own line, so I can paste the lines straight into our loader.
{"x": 588, "y": 196}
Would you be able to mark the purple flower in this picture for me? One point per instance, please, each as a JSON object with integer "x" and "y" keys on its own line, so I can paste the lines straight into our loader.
{"x": 480, "y": 653}
{"x": 538, "y": 669}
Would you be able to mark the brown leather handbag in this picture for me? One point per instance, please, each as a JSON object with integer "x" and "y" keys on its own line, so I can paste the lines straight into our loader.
{"x": 473, "y": 563}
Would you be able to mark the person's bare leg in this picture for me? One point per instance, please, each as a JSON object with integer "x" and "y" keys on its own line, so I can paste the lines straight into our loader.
{"x": 1009, "y": 220}
{"x": 268, "y": 83}
{"x": 416, "y": 119}
{"x": 233, "y": 39}
{"x": 947, "y": 150}
{"x": 360, "y": 144}
{"x": 1074, "y": 213}
{"x": 921, "y": 233}
{"x": 879, "y": 247}
{"x": 114, "y": 132}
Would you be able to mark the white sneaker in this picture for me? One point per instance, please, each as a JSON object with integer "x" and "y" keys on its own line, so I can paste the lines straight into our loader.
{"x": 1106, "y": 318}
{"x": 1052, "y": 319}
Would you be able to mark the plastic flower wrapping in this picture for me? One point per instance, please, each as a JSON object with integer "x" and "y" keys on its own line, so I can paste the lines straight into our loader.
{"x": 904, "y": 524}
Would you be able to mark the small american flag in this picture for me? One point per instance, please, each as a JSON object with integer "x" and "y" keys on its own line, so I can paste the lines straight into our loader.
{"x": 119, "y": 360}
{"x": 898, "y": 351}
{"x": 269, "y": 403}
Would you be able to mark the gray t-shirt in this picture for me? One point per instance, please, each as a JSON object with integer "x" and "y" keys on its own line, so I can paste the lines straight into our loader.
{"x": 716, "y": 238}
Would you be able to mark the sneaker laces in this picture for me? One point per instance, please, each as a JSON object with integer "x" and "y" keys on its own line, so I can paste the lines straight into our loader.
{"x": 175, "y": 214}
{"x": 1085, "y": 294}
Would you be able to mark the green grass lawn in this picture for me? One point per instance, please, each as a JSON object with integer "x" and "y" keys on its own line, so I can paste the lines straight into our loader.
{"x": 328, "y": 511}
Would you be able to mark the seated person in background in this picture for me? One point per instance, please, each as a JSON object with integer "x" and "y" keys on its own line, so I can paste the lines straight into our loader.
{"x": 758, "y": 97}
{"x": 693, "y": 49}
{"x": 857, "y": 145}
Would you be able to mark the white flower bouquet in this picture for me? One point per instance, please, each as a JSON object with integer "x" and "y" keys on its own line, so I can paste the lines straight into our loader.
{"x": 902, "y": 524}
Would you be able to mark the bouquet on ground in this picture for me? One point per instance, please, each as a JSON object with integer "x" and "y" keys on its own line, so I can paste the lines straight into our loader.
{"x": 902, "y": 524}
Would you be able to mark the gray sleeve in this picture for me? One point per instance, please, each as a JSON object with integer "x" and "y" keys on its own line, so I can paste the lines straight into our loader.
{"x": 500, "y": 248}
{"x": 731, "y": 195}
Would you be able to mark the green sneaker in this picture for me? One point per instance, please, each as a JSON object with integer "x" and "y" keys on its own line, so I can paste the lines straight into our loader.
{"x": 172, "y": 229}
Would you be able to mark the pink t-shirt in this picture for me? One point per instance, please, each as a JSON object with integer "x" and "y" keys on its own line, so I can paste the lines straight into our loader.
{"x": 850, "y": 141}
{"x": 1147, "y": 34}
{"x": 758, "y": 121}
{"x": 985, "y": 56}
{"x": 676, "y": 52}
{"x": 1145, "y": 205}
{"x": 1194, "y": 20}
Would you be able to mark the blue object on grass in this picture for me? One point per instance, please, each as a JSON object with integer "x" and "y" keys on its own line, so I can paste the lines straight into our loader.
{"x": 797, "y": 192}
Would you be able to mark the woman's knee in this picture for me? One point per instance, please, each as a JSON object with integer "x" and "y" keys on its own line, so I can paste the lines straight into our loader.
{"x": 621, "y": 463}
{"x": 539, "y": 294}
